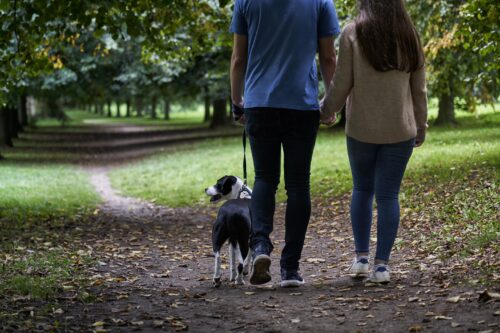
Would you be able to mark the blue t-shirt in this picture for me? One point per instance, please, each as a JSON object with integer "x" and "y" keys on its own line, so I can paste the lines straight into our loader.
{"x": 282, "y": 43}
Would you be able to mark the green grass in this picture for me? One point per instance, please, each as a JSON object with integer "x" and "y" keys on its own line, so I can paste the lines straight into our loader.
{"x": 36, "y": 193}
{"x": 40, "y": 274}
{"x": 179, "y": 177}
{"x": 38, "y": 204}
{"x": 179, "y": 117}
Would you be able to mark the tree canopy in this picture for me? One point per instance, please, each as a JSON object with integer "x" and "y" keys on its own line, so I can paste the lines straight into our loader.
{"x": 93, "y": 50}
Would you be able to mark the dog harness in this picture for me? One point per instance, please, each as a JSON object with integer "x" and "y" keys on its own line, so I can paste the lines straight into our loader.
{"x": 245, "y": 193}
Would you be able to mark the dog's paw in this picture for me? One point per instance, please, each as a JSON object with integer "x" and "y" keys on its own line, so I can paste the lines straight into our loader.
{"x": 232, "y": 278}
{"x": 239, "y": 282}
{"x": 216, "y": 282}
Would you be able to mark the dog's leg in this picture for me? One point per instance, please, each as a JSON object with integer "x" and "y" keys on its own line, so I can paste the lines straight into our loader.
{"x": 239, "y": 264}
{"x": 232, "y": 263}
{"x": 217, "y": 271}
{"x": 247, "y": 262}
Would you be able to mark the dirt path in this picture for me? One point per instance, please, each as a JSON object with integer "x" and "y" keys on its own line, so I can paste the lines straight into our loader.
{"x": 155, "y": 267}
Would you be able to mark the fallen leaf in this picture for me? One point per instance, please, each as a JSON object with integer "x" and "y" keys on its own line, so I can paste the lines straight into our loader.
{"x": 295, "y": 320}
{"x": 315, "y": 260}
{"x": 455, "y": 299}
{"x": 415, "y": 328}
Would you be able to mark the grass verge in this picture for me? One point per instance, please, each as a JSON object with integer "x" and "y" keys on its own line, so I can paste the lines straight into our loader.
{"x": 38, "y": 204}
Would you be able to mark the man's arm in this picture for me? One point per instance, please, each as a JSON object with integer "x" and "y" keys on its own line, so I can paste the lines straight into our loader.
{"x": 327, "y": 60}
{"x": 238, "y": 68}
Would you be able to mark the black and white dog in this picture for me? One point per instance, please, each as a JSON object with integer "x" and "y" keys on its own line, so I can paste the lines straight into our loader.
{"x": 232, "y": 223}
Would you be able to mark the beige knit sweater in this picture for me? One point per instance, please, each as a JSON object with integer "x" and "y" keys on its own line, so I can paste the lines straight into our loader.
{"x": 382, "y": 107}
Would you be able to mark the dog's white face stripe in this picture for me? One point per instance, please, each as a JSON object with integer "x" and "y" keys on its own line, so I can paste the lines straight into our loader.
{"x": 212, "y": 190}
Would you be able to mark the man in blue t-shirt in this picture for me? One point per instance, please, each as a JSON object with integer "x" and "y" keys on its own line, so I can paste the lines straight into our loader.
{"x": 274, "y": 62}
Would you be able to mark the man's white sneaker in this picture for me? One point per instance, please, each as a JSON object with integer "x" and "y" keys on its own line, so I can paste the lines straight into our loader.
{"x": 380, "y": 274}
{"x": 360, "y": 266}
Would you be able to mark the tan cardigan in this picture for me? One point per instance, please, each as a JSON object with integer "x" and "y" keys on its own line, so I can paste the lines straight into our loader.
{"x": 382, "y": 107}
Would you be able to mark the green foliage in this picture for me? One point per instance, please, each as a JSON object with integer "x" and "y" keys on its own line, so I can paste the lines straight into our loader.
{"x": 34, "y": 32}
{"x": 94, "y": 51}
{"x": 462, "y": 47}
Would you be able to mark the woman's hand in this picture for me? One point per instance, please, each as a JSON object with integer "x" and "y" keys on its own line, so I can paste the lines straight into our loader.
{"x": 420, "y": 138}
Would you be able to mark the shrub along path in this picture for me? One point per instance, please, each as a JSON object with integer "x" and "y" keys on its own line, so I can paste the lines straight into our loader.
{"x": 149, "y": 268}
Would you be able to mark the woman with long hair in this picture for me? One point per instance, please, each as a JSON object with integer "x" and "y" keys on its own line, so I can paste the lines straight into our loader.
{"x": 380, "y": 73}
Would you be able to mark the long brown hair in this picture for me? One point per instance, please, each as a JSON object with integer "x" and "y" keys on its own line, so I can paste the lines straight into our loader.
{"x": 387, "y": 36}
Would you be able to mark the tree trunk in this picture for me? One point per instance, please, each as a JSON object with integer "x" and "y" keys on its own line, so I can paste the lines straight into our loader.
{"x": 207, "y": 105}
{"x": 109, "y": 108}
{"x": 138, "y": 106}
{"x": 128, "y": 108}
{"x": 220, "y": 113}
{"x": 154, "y": 101}
{"x": 101, "y": 109}
{"x": 166, "y": 109}
{"x": 5, "y": 139}
{"x": 446, "y": 113}
{"x": 13, "y": 125}
{"x": 23, "y": 110}
{"x": 96, "y": 108}
{"x": 118, "y": 109}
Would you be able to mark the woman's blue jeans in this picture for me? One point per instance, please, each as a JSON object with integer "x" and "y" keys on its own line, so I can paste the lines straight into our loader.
{"x": 377, "y": 170}
{"x": 269, "y": 130}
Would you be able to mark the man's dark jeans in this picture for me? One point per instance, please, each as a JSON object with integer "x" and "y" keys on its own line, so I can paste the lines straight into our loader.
{"x": 269, "y": 130}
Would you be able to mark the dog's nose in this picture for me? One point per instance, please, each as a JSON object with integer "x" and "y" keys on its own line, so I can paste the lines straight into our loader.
{"x": 206, "y": 189}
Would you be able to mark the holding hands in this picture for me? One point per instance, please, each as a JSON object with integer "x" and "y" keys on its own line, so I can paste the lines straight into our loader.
{"x": 327, "y": 117}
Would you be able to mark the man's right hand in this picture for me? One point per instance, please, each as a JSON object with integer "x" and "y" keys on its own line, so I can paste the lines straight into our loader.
{"x": 238, "y": 113}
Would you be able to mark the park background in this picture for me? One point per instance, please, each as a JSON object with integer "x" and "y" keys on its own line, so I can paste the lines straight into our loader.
{"x": 115, "y": 115}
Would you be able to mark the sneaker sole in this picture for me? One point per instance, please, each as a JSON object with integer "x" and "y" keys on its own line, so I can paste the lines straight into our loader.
{"x": 382, "y": 280}
{"x": 260, "y": 270}
{"x": 292, "y": 283}
{"x": 359, "y": 272}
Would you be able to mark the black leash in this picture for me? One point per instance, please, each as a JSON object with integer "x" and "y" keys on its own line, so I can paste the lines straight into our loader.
{"x": 238, "y": 112}
{"x": 245, "y": 157}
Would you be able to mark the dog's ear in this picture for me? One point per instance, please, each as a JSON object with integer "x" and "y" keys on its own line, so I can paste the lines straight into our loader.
{"x": 227, "y": 187}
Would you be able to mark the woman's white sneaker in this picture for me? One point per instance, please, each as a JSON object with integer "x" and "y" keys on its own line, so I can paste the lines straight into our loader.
{"x": 360, "y": 266}
{"x": 380, "y": 274}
